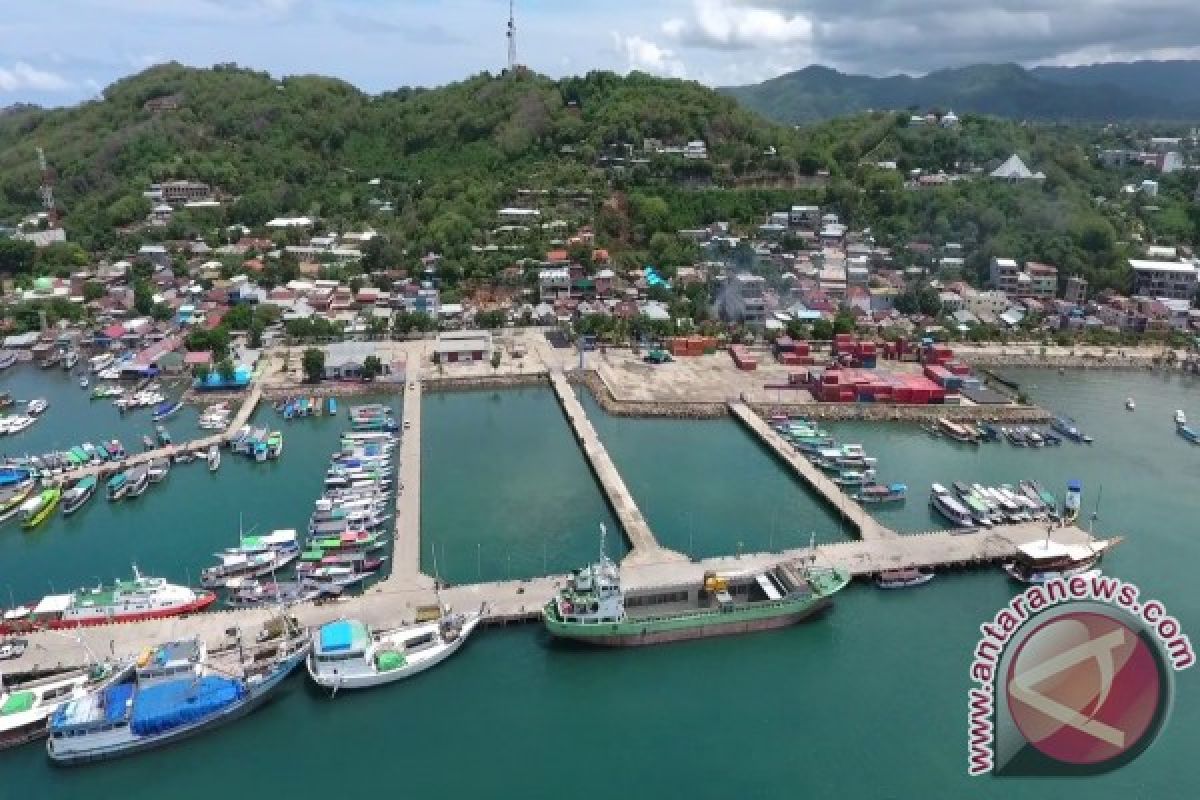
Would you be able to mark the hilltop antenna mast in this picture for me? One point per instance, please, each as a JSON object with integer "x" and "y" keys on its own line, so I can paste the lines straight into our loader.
{"x": 512, "y": 36}
{"x": 47, "y": 189}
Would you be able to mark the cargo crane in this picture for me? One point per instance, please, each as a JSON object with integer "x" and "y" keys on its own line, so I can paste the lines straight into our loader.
{"x": 47, "y": 190}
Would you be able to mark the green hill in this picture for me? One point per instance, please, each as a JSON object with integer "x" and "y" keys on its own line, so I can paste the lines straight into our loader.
{"x": 1101, "y": 92}
{"x": 446, "y": 157}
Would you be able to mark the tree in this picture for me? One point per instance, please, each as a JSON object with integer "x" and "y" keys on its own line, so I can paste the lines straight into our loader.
{"x": 255, "y": 339}
{"x": 372, "y": 367}
{"x": 491, "y": 319}
{"x": 161, "y": 312}
{"x": 16, "y": 255}
{"x": 313, "y": 364}
{"x": 143, "y": 297}
{"x": 93, "y": 290}
{"x": 495, "y": 360}
{"x": 226, "y": 369}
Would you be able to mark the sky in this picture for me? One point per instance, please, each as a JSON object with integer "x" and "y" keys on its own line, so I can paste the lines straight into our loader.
{"x": 65, "y": 51}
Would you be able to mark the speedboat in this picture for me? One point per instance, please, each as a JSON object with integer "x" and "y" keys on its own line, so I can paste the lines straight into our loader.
{"x": 37, "y": 406}
{"x": 1180, "y": 417}
{"x": 1129, "y": 404}
{"x": 214, "y": 458}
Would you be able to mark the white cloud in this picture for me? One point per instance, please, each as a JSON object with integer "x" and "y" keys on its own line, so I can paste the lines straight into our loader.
{"x": 916, "y": 36}
{"x": 647, "y": 56}
{"x": 733, "y": 25}
{"x": 24, "y": 77}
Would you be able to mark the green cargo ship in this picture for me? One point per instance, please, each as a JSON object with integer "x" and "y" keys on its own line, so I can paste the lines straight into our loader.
{"x": 593, "y": 608}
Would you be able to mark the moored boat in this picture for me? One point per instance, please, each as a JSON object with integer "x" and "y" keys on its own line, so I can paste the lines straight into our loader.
{"x": 124, "y": 601}
{"x": 902, "y": 578}
{"x": 1072, "y": 501}
{"x": 948, "y": 507}
{"x": 78, "y": 494}
{"x": 174, "y": 691}
{"x": 37, "y": 407}
{"x": 594, "y": 608}
{"x": 347, "y": 655}
{"x": 139, "y": 479}
{"x": 117, "y": 486}
{"x": 214, "y": 458}
{"x": 1045, "y": 560}
{"x": 166, "y": 410}
{"x": 37, "y": 510}
{"x": 25, "y": 707}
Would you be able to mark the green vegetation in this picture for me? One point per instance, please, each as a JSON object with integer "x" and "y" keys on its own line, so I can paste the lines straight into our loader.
{"x": 446, "y": 159}
{"x": 372, "y": 367}
{"x": 1145, "y": 90}
{"x": 313, "y": 364}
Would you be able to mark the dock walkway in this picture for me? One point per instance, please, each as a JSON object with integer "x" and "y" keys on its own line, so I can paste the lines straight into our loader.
{"x": 195, "y": 445}
{"x": 406, "y": 552}
{"x": 645, "y": 548}
{"x": 394, "y": 600}
{"x": 868, "y": 528}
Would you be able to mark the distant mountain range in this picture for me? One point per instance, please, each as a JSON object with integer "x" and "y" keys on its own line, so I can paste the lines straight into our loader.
{"x": 1139, "y": 90}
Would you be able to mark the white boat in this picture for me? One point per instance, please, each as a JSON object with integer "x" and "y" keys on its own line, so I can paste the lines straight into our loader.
{"x": 214, "y": 458}
{"x": 1180, "y": 418}
{"x": 70, "y": 359}
{"x": 101, "y": 362}
{"x": 942, "y": 502}
{"x": 346, "y": 655}
{"x": 37, "y": 406}
{"x": 27, "y": 706}
{"x": 1129, "y": 404}
{"x": 1044, "y": 560}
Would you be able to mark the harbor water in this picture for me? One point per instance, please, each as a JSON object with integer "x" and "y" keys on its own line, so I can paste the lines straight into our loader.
{"x": 868, "y": 701}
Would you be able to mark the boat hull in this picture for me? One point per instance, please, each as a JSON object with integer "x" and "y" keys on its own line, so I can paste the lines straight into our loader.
{"x": 636, "y": 633}
{"x": 203, "y": 601}
{"x": 257, "y": 696}
{"x": 338, "y": 683}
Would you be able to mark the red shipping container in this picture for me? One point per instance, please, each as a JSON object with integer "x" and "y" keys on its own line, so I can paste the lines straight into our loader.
{"x": 800, "y": 348}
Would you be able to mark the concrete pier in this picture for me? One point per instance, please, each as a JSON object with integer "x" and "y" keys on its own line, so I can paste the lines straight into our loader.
{"x": 394, "y": 600}
{"x": 406, "y": 554}
{"x": 201, "y": 445}
{"x": 868, "y": 529}
{"x": 644, "y": 547}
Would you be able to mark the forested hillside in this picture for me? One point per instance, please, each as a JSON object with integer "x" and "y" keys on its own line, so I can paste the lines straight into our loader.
{"x": 446, "y": 159}
{"x": 1136, "y": 91}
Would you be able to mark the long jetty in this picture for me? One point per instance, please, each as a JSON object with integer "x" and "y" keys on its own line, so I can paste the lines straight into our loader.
{"x": 249, "y": 404}
{"x": 395, "y": 599}
{"x": 645, "y": 548}
{"x": 868, "y": 528}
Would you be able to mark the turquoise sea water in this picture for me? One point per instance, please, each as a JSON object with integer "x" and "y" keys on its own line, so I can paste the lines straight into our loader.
{"x": 868, "y": 701}
{"x": 506, "y": 492}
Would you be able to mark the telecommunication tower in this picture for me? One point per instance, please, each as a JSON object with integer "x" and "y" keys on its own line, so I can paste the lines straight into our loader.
{"x": 47, "y": 189}
{"x": 512, "y": 36}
